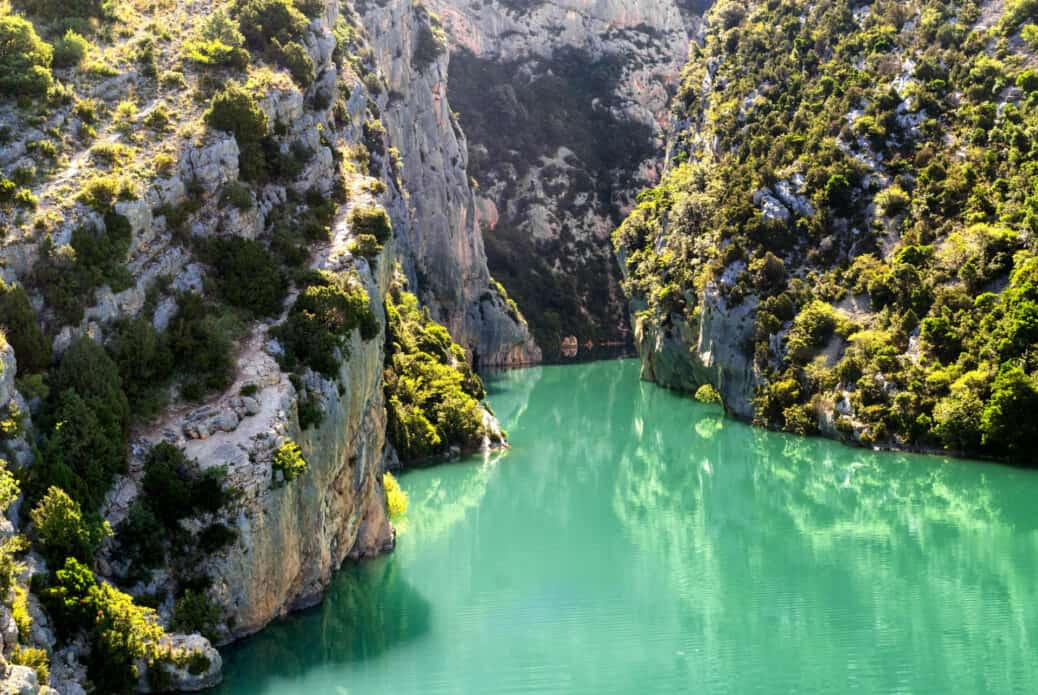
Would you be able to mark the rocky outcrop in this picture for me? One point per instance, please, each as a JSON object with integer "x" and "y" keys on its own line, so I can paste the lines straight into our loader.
{"x": 565, "y": 106}
{"x": 684, "y": 356}
{"x": 443, "y": 255}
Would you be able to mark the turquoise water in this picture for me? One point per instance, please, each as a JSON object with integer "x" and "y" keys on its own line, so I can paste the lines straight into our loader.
{"x": 634, "y": 541}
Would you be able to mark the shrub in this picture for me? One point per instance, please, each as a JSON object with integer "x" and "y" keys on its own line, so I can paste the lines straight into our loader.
{"x": 195, "y": 611}
{"x": 372, "y": 221}
{"x": 396, "y": 498}
{"x": 25, "y": 59}
{"x": 288, "y": 459}
{"x": 1007, "y": 423}
{"x": 432, "y": 396}
{"x": 142, "y": 538}
{"x": 64, "y": 9}
{"x": 707, "y": 394}
{"x": 217, "y": 41}
{"x": 144, "y": 360}
{"x": 235, "y": 110}
{"x": 18, "y": 319}
{"x": 239, "y": 195}
{"x": 201, "y": 348}
{"x": 298, "y": 62}
{"x": 70, "y": 50}
{"x": 264, "y": 22}
{"x": 327, "y": 310}
{"x": 33, "y": 657}
{"x": 365, "y": 246}
{"x": 247, "y": 275}
{"x": 62, "y": 530}
{"x": 101, "y": 192}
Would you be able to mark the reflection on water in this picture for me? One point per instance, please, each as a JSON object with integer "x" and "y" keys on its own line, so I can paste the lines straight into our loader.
{"x": 634, "y": 541}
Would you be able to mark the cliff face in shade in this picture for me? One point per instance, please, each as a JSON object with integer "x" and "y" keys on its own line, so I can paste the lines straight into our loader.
{"x": 565, "y": 105}
{"x": 445, "y": 257}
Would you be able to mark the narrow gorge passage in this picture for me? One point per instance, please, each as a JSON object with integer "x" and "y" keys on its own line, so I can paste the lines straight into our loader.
{"x": 635, "y": 541}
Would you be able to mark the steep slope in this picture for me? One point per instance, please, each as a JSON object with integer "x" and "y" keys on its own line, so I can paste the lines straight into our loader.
{"x": 202, "y": 219}
{"x": 845, "y": 239}
{"x": 449, "y": 267}
{"x": 564, "y": 105}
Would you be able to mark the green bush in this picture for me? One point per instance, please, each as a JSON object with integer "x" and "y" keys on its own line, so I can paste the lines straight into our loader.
{"x": 145, "y": 363}
{"x": 25, "y": 59}
{"x": 217, "y": 41}
{"x": 122, "y": 634}
{"x": 201, "y": 347}
{"x": 365, "y": 246}
{"x": 298, "y": 62}
{"x": 327, "y": 310}
{"x": 236, "y": 111}
{"x": 32, "y": 350}
{"x": 66, "y": 10}
{"x": 288, "y": 459}
{"x": 372, "y": 221}
{"x": 63, "y": 531}
{"x": 70, "y": 50}
{"x": 195, "y": 611}
{"x": 247, "y": 275}
{"x": 86, "y": 420}
{"x": 432, "y": 395}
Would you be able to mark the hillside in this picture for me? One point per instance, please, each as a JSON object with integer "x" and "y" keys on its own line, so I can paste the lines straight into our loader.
{"x": 844, "y": 241}
{"x": 209, "y": 239}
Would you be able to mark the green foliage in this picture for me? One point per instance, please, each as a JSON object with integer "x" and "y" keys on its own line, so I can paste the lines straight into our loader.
{"x": 70, "y": 50}
{"x": 247, "y": 275}
{"x": 289, "y": 461}
{"x": 217, "y": 42}
{"x": 235, "y": 110}
{"x": 86, "y": 422}
{"x": 35, "y": 658}
{"x": 32, "y": 350}
{"x": 329, "y": 307}
{"x": 371, "y": 221}
{"x": 145, "y": 363}
{"x": 432, "y": 395}
{"x": 201, "y": 347}
{"x": 195, "y": 611}
{"x": 63, "y": 531}
{"x": 365, "y": 246}
{"x": 25, "y": 59}
{"x": 396, "y": 498}
{"x": 276, "y": 28}
{"x": 707, "y": 394}
{"x": 64, "y": 9}
{"x": 907, "y": 219}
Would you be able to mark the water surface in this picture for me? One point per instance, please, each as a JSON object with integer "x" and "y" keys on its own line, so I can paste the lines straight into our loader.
{"x": 634, "y": 541}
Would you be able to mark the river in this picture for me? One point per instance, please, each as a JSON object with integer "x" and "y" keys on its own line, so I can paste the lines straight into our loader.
{"x": 635, "y": 541}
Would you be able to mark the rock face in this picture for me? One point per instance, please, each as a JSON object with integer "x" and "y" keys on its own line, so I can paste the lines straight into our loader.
{"x": 565, "y": 106}
{"x": 444, "y": 255}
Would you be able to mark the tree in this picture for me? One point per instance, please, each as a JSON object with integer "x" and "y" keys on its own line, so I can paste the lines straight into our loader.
{"x": 62, "y": 530}
{"x": 25, "y": 59}
{"x": 1008, "y": 423}
{"x": 31, "y": 347}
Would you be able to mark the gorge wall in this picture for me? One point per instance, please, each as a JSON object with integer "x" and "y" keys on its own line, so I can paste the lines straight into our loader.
{"x": 565, "y": 106}
{"x": 836, "y": 247}
{"x": 225, "y": 218}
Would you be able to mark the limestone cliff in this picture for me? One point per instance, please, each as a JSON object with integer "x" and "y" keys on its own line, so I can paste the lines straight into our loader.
{"x": 173, "y": 183}
{"x": 565, "y": 105}
{"x": 446, "y": 261}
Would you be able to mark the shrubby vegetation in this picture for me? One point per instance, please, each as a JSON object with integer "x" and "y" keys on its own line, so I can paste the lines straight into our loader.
{"x": 432, "y": 395}
{"x": 328, "y": 309}
{"x": 25, "y": 59}
{"x": 289, "y": 462}
{"x": 396, "y": 499}
{"x": 902, "y": 280}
